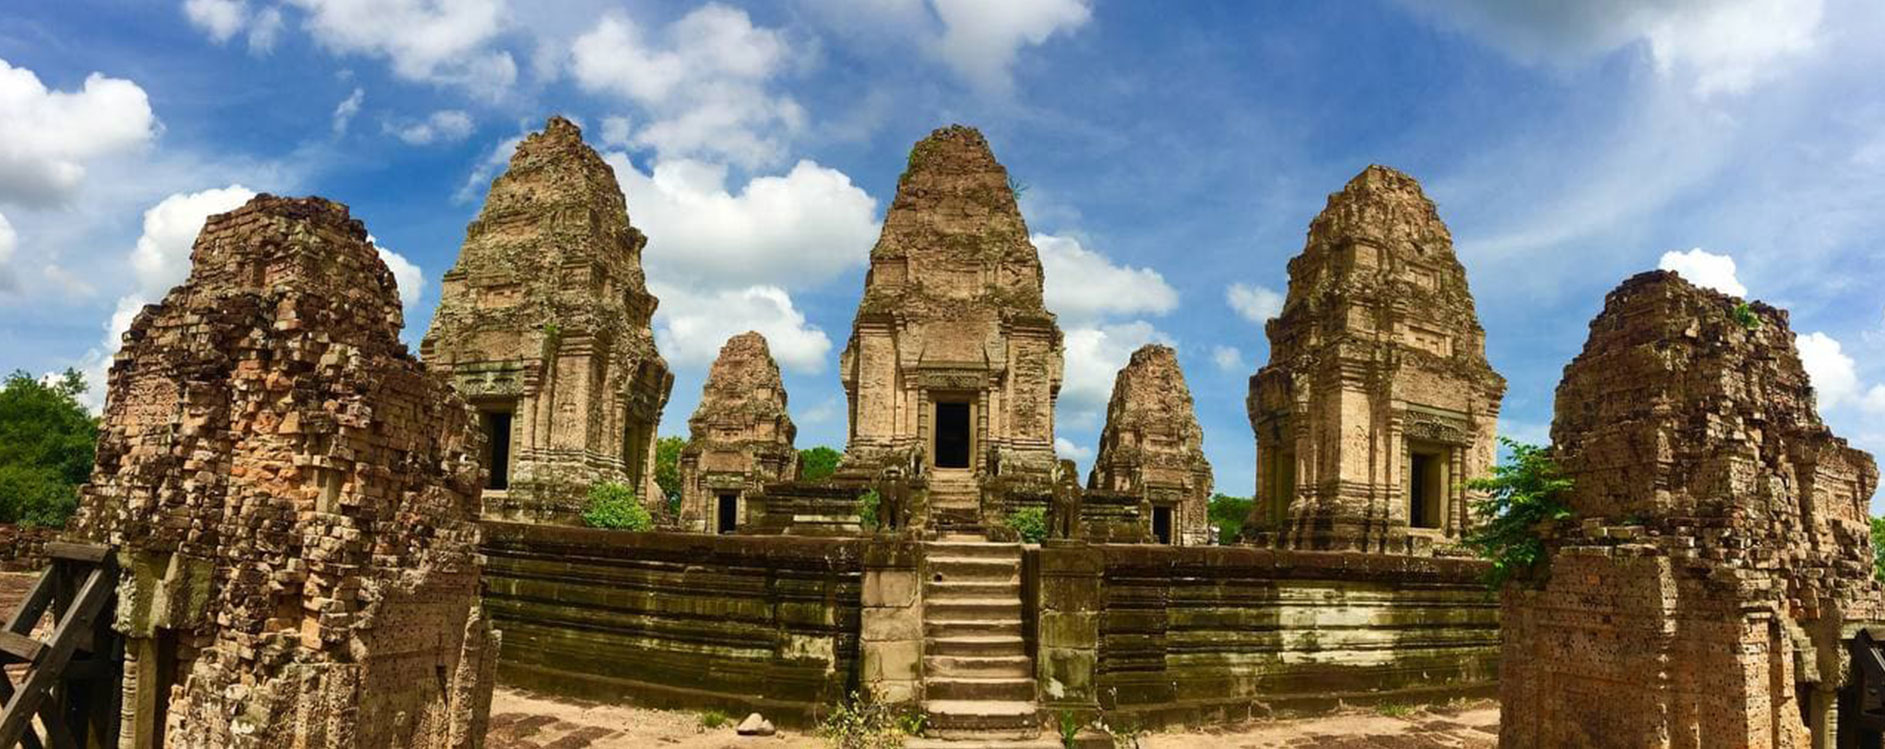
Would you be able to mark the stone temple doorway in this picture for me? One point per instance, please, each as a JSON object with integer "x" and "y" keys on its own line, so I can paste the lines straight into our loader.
{"x": 727, "y": 513}
{"x": 953, "y": 436}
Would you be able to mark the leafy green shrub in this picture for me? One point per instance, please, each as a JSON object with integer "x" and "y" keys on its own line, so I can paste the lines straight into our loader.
{"x": 1745, "y": 315}
{"x": 1030, "y": 523}
{"x": 818, "y": 463}
{"x": 668, "y": 471}
{"x": 858, "y": 723}
{"x": 867, "y": 504}
{"x": 1393, "y": 710}
{"x": 712, "y": 719}
{"x": 613, "y": 505}
{"x": 1069, "y": 729}
{"x": 1228, "y": 513}
{"x": 1878, "y": 547}
{"x": 1524, "y": 492}
{"x": 47, "y": 439}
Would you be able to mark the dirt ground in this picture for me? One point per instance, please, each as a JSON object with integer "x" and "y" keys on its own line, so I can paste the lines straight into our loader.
{"x": 522, "y": 720}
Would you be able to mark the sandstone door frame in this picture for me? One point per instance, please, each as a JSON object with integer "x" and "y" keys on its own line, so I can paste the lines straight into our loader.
{"x": 971, "y": 440}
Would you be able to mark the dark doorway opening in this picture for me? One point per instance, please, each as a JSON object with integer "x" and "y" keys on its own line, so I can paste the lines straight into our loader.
{"x": 727, "y": 514}
{"x": 1426, "y": 490}
{"x": 952, "y": 435}
{"x": 497, "y": 449}
{"x": 1162, "y": 524}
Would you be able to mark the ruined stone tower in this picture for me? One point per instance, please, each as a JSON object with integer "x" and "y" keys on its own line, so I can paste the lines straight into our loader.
{"x": 741, "y": 437}
{"x": 1153, "y": 447}
{"x": 953, "y": 356}
{"x": 543, "y": 325}
{"x": 1719, "y": 555}
{"x": 1378, "y": 404}
{"x": 294, "y": 501}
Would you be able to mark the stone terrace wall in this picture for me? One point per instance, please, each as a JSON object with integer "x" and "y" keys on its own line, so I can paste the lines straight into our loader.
{"x": 1167, "y": 635}
{"x": 677, "y": 619}
{"x": 23, "y": 549}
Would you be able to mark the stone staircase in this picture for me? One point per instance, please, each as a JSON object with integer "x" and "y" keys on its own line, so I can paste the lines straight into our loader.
{"x": 955, "y": 502}
{"x": 978, "y": 678}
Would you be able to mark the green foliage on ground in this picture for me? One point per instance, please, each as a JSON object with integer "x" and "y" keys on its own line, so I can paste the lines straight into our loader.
{"x": 613, "y": 505}
{"x": 1030, "y": 523}
{"x": 47, "y": 441}
{"x": 1069, "y": 729}
{"x": 1228, "y": 513}
{"x": 818, "y": 463}
{"x": 1393, "y": 709}
{"x": 668, "y": 470}
{"x": 712, "y": 719}
{"x": 1525, "y": 491}
{"x": 1878, "y": 547}
{"x": 859, "y": 723}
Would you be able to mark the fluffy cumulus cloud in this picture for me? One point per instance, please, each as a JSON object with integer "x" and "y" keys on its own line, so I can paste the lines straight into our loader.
{"x": 444, "y": 126}
{"x": 702, "y": 82}
{"x": 407, "y": 276}
{"x": 1067, "y": 450}
{"x": 8, "y": 241}
{"x": 1705, "y": 269}
{"x": 794, "y": 230}
{"x": 436, "y": 41}
{"x": 981, "y": 38}
{"x": 222, "y": 20}
{"x": 1834, "y": 375}
{"x": 47, "y": 137}
{"x": 1255, "y": 303}
{"x": 1094, "y": 356}
{"x": 346, "y": 109}
{"x": 1718, "y": 45}
{"x": 1085, "y": 285}
{"x": 1227, "y": 358}
{"x": 690, "y": 325}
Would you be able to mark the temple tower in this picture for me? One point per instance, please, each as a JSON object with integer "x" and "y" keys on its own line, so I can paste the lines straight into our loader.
{"x": 1377, "y": 404}
{"x": 543, "y": 326}
{"x": 953, "y": 356}
{"x": 1152, "y": 447}
{"x": 741, "y": 437}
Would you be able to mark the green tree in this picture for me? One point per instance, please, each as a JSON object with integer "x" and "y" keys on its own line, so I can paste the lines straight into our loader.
{"x": 668, "y": 470}
{"x": 1228, "y": 514}
{"x": 1525, "y": 491}
{"x": 1878, "y": 547}
{"x": 818, "y": 463}
{"x": 613, "y": 505}
{"x": 47, "y": 441}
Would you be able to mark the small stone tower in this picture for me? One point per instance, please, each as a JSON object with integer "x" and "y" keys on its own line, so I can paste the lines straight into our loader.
{"x": 543, "y": 326}
{"x": 741, "y": 437}
{"x": 953, "y": 355}
{"x": 1152, "y": 447}
{"x": 294, "y": 501}
{"x": 1378, "y": 404}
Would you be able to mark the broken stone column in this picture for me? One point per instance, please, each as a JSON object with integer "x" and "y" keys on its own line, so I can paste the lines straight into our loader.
{"x": 543, "y": 325}
{"x": 741, "y": 437}
{"x": 953, "y": 355}
{"x": 1377, "y": 405}
{"x": 1719, "y": 557}
{"x": 294, "y": 501}
{"x": 1153, "y": 448}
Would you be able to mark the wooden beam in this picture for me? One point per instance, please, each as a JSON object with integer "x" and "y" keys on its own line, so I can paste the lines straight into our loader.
{"x": 88, "y": 553}
{"x": 19, "y": 648}
{"x": 16, "y": 718}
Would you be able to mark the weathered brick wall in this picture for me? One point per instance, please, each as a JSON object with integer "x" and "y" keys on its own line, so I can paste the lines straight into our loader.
{"x": 23, "y": 549}
{"x": 1206, "y": 635}
{"x": 677, "y": 619}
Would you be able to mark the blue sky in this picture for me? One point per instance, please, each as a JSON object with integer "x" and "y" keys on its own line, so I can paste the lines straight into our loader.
{"x": 1173, "y": 154}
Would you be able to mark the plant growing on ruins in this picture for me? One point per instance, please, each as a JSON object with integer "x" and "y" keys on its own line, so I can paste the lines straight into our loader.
{"x": 1523, "y": 493}
{"x": 859, "y": 723}
{"x": 1745, "y": 315}
{"x": 613, "y": 505}
{"x": 712, "y": 719}
{"x": 867, "y": 504}
{"x": 1393, "y": 710}
{"x": 1069, "y": 729}
{"x": 1030, "y": 523}
{"x": 1878, "y": 547}
{"x": 818, "y": 463}
{"x": 47, "y": 440}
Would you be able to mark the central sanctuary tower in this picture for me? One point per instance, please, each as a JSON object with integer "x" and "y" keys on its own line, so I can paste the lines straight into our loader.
{"x": 954, "y": 361}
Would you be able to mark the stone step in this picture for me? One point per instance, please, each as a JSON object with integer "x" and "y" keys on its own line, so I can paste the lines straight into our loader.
{"x": 948, "y": 569}
{"x": 973, "y": 550}
{"x": 981, "y": 688}
{"x": 949, "y": 590}
{"x": 972, "y": 609}
{"x": 979, "y": 666}
{"x": 940, "y": 628}
{"x": 976, "y": 646}
{"x": 982, "y": 743}
{"x": 981, "y": 719}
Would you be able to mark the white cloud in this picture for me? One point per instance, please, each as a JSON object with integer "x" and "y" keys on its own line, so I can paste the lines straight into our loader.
{"x": 407, "y": 276}
{"x": 1083, "y": 285}
{"x": 487, "y": 169}
{"x": 1256, "y": 303}
{"x": 263, "y": 29}
{"x": 1705, "y": 269}
{"x": 346, "y": 109}
{"x": 702, "y": 81}
{"x": 46, "y": 137}
{"x": 616, "y": 132}
{"x": 981, "y": 38}
{"x": 8, "y": 241}
{"x": 1065, "y": 449}
{"x": 798, "y": 229}
{"x": 1094, "y": 355}
{"x": 1720, "y": 46}
{"x": 1227, "y": 358}
{"x": 443, "y": 126}
{"x": 1834, "y": 375}
{"x": 691, "y": 326}
{"x": 434, "y": 41}
{"x": 223, "y": 19}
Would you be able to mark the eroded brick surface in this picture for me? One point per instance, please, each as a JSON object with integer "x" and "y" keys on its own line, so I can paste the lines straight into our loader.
{"x": 740, "y": 436}
{"x": 1721, "y": 550}
{"x": 543, "y": 325}
{"x": 1377, "y": 404}
{"x": 1152, "y": 446}
{"x": 294, "y": 501}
